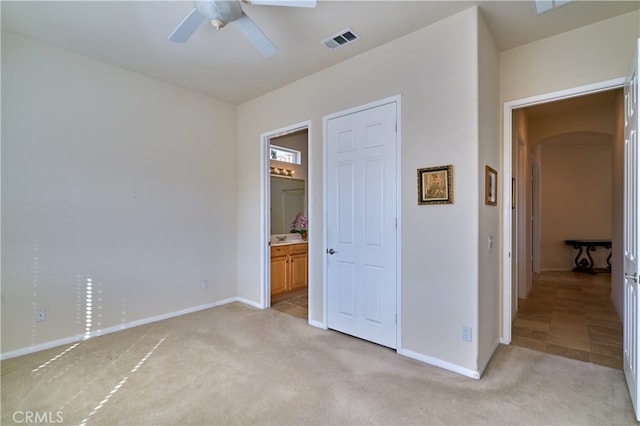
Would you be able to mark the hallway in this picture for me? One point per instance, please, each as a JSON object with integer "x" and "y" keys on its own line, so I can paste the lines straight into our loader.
{"x": 571, "y": 315}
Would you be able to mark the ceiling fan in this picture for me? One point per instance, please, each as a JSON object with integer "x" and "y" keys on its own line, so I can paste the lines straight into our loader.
{"x": 223, "y": 12}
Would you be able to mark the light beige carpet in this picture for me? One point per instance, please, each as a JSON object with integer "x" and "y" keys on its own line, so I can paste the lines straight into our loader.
{"x": 239, "y": 365}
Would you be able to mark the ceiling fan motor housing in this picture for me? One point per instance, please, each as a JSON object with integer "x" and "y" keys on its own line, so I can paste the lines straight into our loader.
{"x": 219, "y": 13}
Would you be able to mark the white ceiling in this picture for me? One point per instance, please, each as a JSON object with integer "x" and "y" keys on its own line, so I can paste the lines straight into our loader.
{"x": 133, "y": 35}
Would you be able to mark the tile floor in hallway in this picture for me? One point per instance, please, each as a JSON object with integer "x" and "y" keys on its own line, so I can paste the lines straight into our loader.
{"x": 297, "y": 306}
{"x": 570, "y": 314}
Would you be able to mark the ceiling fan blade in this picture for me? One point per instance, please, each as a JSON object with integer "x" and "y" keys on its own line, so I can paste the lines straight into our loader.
{"x": 290, "y": 3}
{"x": 255, "y": 36}
{"x": 187, "y": 27}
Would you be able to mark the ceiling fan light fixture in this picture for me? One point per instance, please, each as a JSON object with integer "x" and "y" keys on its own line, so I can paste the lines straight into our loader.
{"x": 217, "y": 24}
{"x": 223, "y": 11}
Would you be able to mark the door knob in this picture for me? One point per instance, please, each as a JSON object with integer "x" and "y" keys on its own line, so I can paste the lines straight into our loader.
{"x": 331, "y": 251}
{"x": 633, "y": 277}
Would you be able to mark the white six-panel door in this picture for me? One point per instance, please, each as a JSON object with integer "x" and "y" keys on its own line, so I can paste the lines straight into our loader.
{"x": 361, "y": 224}
{"x": 631, "y": 246}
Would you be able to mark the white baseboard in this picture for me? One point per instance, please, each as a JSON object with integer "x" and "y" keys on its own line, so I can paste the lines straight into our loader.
{"x": 248, "y": 302}
{"x": 440, "y": 363}
{"x": 318, "y": 324}
{"x": 119, "y": 327}
{"x": 488, "y": 357}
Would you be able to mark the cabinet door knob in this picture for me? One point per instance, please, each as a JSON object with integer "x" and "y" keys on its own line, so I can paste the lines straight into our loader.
{"x": 331, "y": 251}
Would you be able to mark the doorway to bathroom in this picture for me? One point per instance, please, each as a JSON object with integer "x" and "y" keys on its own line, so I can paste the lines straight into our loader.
{"x": 286, "y": 202}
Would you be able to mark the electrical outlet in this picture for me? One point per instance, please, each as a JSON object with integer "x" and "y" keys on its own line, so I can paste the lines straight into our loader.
{"x": 40, "y": 315}
{"x": 466, "y": 334}
{"x": 205, "y": 283}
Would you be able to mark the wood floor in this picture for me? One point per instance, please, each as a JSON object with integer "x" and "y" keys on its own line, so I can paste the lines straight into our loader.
{"x": 571, "y": 315}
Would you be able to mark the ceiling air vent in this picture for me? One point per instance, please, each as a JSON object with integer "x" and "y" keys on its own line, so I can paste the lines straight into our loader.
{"x": 340, "y": 39}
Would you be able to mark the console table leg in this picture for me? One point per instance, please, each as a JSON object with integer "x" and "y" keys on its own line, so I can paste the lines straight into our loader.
{"x": 577, "y": 260}
{"x": 584, "y": 261}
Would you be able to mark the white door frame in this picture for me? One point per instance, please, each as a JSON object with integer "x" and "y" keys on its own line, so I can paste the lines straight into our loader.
{"x": 393, "y": 99}
{"x": 535, "y": 216}
{"x": 507, "y": 167}
{"x": 265, "y": 214}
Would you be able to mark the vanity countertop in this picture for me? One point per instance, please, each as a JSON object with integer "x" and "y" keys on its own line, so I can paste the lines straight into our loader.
{"x": 288, "y": 242}
{"x": 287, "y": 239}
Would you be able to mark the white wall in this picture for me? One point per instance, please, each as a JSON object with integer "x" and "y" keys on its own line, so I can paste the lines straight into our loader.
{"x": 591, "y": 54}
{"x": 576, "y": 197}
{"x": 439, "y": 89}
{"x": 113, "y": 176}
{"x": 489, "y": 259}
{"x": 576, "y": 170}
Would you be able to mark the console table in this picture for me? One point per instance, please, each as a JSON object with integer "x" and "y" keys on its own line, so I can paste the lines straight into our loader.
{"x": 584, "y": 261}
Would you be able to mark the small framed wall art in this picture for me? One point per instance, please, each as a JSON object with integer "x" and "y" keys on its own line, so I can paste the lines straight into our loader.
{"x": 435, "y": 185}
{"x": 490, "y": 186}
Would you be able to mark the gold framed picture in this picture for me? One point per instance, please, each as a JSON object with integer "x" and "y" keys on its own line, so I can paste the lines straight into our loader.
{"x": 490, "y": 186}
{"x": 435, "y": 185}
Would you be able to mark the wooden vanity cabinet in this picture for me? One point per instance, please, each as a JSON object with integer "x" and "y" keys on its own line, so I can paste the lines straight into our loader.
{"x": 298, "y": 266}
{"x": 288, "y": 268}
{"x": 279, "y": 267}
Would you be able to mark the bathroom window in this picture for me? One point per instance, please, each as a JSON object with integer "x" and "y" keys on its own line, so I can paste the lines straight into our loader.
{"x": 286, "y": 155}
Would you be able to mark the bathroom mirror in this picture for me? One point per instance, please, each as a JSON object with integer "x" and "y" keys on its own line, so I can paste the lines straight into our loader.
{"x": 287, "y": 199}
